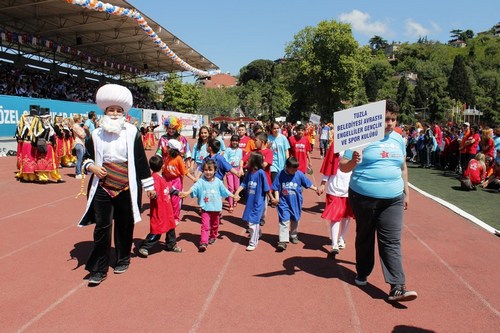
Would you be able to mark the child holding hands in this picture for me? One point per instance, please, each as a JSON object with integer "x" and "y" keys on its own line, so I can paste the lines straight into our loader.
{"x": 287, "y": 187}
{"x": 209, "y": 190}
{"x": 256, "y": 188}
{"x": 161, "y": 213}
{"x": 174, "y": 172}
{"x": 234, "y": 156}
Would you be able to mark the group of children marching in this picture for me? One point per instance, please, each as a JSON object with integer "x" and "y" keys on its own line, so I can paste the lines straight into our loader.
{"x": 208, "y": 170}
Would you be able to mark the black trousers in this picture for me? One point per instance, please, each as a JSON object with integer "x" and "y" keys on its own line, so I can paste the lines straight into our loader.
{"x": 383, "y": 217}
{"x": 152, "y": 239}
{"x": 106, "y": 210}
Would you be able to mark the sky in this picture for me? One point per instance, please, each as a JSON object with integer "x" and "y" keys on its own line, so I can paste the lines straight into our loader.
{"x": 233, "y": 33}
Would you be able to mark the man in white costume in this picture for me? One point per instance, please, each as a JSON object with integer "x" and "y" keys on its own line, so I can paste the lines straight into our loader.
{"x": 116, "y": 158}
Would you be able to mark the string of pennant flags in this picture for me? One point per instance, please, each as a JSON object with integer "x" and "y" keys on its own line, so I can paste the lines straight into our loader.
{"x": 132, "y": 13}
{"x": 7, "y": 36}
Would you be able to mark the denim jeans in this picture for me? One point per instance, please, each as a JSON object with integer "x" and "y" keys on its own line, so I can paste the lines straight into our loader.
{"x": 80, "y": 150}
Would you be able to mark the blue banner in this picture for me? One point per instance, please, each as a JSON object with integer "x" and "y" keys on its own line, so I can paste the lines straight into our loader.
{"x": 13, "y": 107}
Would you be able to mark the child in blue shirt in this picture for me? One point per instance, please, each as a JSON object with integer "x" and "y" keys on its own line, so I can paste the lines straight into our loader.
{"x": 223, "y": 166}
{"x": 288, "y": 197}
{"x": 256, "y": 188}
{"x": 209, "y": 190}
{"x": 234, "y": 155}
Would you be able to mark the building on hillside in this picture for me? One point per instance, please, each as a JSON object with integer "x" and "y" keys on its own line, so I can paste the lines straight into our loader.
{"x": 218, "y": 81}
{"x": 411, "y": 77}
{"x": 458, "y": 43}
{"x": 391, "y": 50}
{"x": 497, "y": 30}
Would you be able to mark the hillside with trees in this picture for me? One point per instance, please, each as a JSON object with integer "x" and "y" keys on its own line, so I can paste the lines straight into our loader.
{"x": 324, "y": 70}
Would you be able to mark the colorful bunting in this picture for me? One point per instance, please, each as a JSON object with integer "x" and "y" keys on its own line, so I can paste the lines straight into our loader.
{"x": 120, "y": 11}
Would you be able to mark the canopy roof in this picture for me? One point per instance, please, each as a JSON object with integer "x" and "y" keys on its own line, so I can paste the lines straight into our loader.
{"x": 91, "y": 39}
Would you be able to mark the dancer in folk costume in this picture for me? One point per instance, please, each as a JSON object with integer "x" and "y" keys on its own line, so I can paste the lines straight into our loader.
{"x": 26, "y": 162}
{"x": 338, "y": 210}
{"x": 143, "y": 130}
{"x": 117, "y": 159}
{"x": 59, "y": 146}
{"x": 68, "y": 159}
{"x": 43, "y": 139}
{"x": 149, "y": 137}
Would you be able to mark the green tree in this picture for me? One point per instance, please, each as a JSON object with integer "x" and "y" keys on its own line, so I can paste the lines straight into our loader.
{"x": 262, "y": 90}
{"x": 218, "y": 101}
{"x": 371, "y": 86}
{"x": 258, "y": 70}
{"x": 328, "y": 67}
{"x": 459, "y": 86}
{"x": 180, "y": 97}
{"x": 403, "y": 99}
{"x": 377, "y": 43}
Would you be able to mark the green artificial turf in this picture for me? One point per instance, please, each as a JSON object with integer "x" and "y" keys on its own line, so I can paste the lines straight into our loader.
{"x": 445, "y": 185}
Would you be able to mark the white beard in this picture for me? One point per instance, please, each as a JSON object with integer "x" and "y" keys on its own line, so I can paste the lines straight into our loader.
{"x": 111, "y": 125}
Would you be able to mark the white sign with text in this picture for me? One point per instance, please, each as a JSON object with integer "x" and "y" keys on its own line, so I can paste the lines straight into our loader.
{"x": 359, "y": 126}
{"x": 314, "y": 118}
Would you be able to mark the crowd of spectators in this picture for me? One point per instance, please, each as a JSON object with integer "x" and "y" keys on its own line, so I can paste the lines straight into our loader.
{"x": 37, "y": 83}
{"x": 456, "y": 148}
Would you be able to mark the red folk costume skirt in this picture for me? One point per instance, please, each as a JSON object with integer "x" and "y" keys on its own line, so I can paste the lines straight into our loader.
{"x": 337, "y": 208}
{"x": 28, "y": 158}
{"x": 46, "y": 162}
{"x": 19, "y": 155}
{"x": 150, "y": 140}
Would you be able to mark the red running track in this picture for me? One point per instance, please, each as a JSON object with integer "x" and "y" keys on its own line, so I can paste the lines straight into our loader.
{"x": 450, "y": 262}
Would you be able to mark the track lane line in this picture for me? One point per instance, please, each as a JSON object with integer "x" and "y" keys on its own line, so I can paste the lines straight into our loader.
{"x": 215, "y": 287}
{"x": 456, "y": 274}
{"x": 50, "y": 307}
{"x": 36, "y": 207}
{"x": 35, "y": 242}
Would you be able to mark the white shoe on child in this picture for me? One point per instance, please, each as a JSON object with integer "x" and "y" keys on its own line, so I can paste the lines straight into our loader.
{"x": 251, "y": 248}
{"x": 341, "y": 244}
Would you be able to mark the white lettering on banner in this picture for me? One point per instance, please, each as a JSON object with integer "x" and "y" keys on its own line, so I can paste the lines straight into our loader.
{"x": 359, "y": 126}
{"x": 8, "y": 116}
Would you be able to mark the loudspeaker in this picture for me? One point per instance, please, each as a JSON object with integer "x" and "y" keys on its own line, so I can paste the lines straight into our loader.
{"x": 78, "y": 40}
{"x": 145, "y": 66}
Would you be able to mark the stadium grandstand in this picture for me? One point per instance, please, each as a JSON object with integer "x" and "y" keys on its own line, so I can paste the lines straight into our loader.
{"x": 57, "y": 50}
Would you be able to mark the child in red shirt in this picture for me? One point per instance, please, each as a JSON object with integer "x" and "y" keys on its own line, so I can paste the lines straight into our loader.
{"x": 161, "y": 214}
{"x": 475, "y": 173}
{"x": 300, "y": 148}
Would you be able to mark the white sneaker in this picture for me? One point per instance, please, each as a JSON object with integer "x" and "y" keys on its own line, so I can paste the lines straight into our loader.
{"x": 341, "y": 244}
{"x": 251, "y": 248}
{"x": 335, "y": 249}
{"x": 78, "y": 177}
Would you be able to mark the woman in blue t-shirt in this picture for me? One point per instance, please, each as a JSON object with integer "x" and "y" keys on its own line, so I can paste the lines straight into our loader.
{"x": 378, "y": 194}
